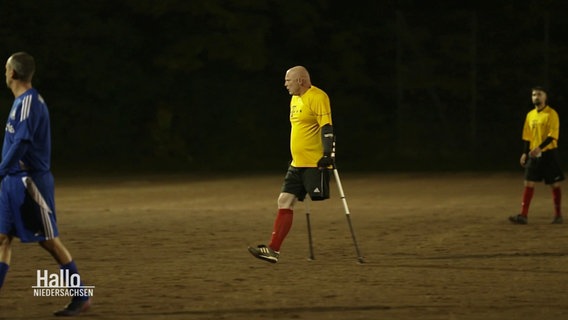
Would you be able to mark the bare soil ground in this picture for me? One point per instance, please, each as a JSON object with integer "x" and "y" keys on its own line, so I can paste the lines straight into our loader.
{"x": 437, "y": 246}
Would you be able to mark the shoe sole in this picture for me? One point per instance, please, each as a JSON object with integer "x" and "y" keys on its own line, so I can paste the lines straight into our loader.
{"x": 255, "y": 254}
{"x": 514, "y": 220}
{"x": 69, "y": 313}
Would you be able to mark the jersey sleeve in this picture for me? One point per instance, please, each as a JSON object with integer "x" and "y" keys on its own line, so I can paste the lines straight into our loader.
{"x": 526, "y": 130}
{"x": 322, "y": 109}
{"x": 554, "y": 125}
{"x": 24, "y": 124}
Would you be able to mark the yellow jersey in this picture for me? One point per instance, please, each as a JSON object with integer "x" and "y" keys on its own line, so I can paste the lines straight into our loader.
{"x": 540, "y": 125}
{"x": 308, "y": 113}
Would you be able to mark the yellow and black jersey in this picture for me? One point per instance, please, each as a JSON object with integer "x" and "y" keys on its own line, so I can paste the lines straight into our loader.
{"x": 540, "y": 125}
{"x": 308, "y": 113}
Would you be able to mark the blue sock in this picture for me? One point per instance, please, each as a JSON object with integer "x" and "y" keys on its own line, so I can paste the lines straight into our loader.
{"x": 3, "y": 271}
{"x": 73, "y": 270}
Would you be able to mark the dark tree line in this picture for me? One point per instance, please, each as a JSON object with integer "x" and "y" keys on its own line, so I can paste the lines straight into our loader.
{"x": 198, "y": 85}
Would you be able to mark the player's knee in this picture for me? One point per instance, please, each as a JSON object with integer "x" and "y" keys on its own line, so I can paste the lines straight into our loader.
{"x": 49, "y": 245}
{"x": 5, "y": 240}
{"x": 530, "y": 184}
{"x": 286, "y": 200}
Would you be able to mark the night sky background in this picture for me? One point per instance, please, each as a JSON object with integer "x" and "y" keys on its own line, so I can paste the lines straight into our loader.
{"x": 198, "y": 86}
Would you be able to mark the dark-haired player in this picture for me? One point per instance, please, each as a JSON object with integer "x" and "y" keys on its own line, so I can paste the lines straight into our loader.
{"x": 540, "y": 155}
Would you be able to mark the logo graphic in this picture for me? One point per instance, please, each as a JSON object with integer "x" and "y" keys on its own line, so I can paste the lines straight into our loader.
{"x": 60, "y": 284}
{"x": 10, "y": 128}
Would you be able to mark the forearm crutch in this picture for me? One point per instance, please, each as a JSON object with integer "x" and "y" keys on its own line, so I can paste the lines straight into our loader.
{"x": 347, "y": 214}
{"x": 307, "y": 202}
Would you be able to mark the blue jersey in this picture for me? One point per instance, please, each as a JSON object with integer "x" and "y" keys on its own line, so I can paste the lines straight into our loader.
{"x": 27, "y": 126}
{"x": 27, "y": 205}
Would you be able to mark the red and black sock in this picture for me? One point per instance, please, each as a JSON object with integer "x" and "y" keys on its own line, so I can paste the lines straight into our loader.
{"x": 282, "y": 225}
{"x": 557, "y": 199}
{"x": 527, "y": 197}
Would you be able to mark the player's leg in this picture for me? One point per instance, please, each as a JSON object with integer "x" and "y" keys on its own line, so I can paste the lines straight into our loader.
{"x": 528, "y": 193}
{"x": 553, "y": 177}
{"x": 38, "y": 202}
{"x": 60, "y": 253}
{"x": 5, "y": 236}
{"x": 557, "y": 201}
{"x": 5, "y": 256}
{"x": 283, "y": 221}
{"x": 533, "y": 174}
{"x": 297, "y": 184}
{"x": 57, "y": 250}
{"x": 282, "y": 225}
{"x": 292, "y": 191}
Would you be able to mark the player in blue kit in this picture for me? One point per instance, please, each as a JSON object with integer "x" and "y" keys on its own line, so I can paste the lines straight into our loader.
{"x": 27, "y": 205}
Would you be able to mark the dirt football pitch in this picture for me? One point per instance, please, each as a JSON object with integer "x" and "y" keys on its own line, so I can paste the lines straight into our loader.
{"x": 437, "y": 246}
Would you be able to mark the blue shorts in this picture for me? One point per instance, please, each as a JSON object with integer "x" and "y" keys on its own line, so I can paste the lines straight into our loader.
{"x": 27, "y": 207}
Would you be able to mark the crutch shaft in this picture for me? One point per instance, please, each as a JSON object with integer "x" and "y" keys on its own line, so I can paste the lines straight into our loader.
{"x": 341, "y": 193}
{"x": 311, "y": 246}
{"x": 347, "y": 214}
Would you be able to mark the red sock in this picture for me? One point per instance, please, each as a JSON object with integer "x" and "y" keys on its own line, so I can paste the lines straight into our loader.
{"x": 557, "y": 199}
{"x": 282, "y": 225}
{"x": 527, "y": 197}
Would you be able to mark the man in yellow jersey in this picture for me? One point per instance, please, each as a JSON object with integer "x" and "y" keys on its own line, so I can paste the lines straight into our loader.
{"x": 540, "y": 155}
{"x": 311, "y": 144}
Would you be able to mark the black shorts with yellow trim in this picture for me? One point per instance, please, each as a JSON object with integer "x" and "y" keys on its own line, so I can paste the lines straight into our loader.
{"x": 546, "y": 167}
{"x": 302, "y": 181}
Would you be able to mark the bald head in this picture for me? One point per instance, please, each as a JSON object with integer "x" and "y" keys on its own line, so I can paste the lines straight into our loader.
{"x": 297, "y": 80}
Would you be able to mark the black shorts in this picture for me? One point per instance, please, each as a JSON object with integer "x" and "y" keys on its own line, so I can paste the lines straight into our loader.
{"x": 301, "y": 181}
{"x": 546, "y": 167}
